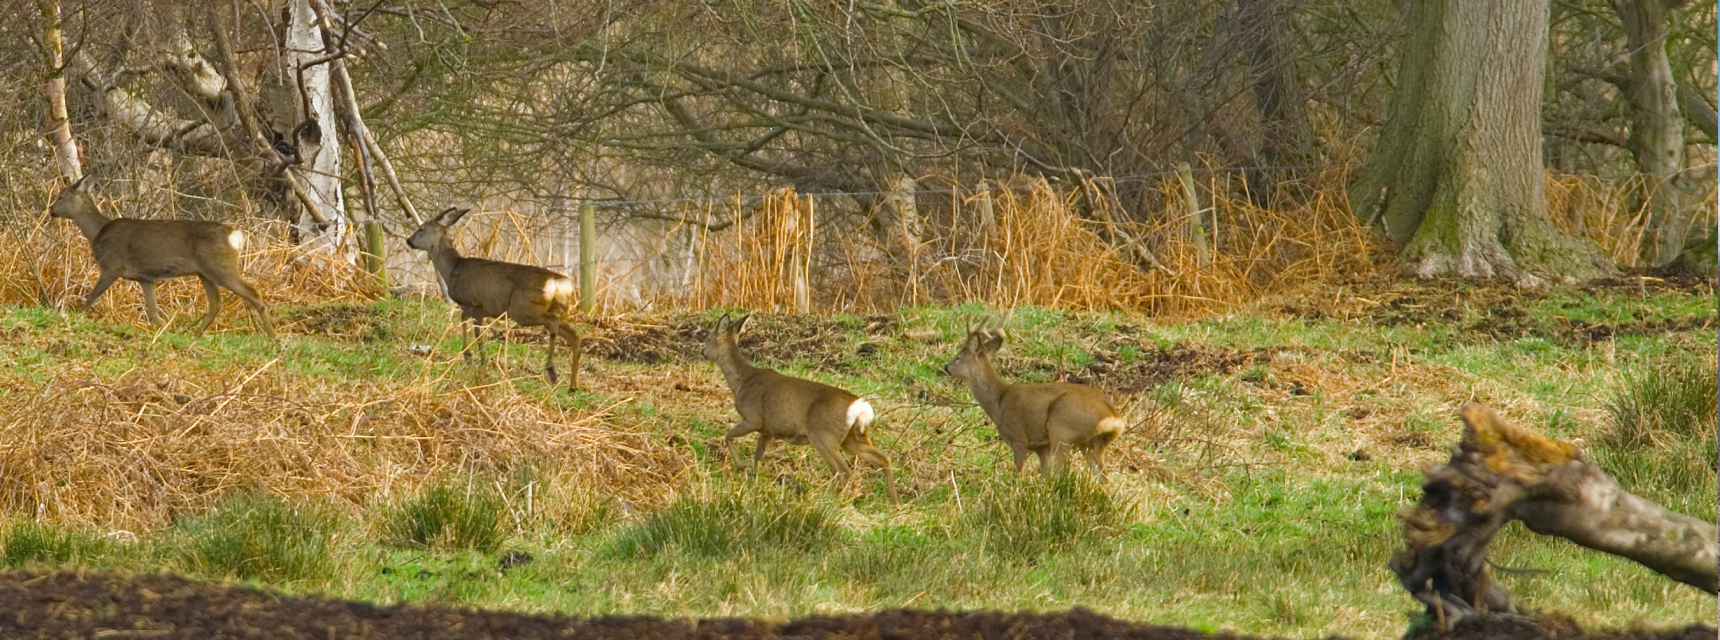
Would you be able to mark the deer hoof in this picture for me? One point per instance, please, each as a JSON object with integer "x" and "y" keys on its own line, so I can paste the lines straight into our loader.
{"x": 551, "y": 372}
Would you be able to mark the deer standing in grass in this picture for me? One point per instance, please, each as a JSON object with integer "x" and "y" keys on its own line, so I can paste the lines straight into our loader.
{"x": 483, "y": 289}
{"x": 1046, "y": 418}
{"x": 780, "y": 407}
{"x": 150, "y": 250}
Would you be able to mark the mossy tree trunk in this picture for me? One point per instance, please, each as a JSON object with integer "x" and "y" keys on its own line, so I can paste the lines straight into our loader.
{"x": 1656, "y": 131}
{"x": 1456, "y": 175}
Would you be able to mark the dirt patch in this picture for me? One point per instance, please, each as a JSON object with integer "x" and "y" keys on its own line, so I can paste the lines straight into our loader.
{"x": 1157, "y": 365}
{"x": 96, "y": 605}
{"x": 770, "y": 341}
{"x": 344, "y": 321}
{"x": 1497, "y": 312}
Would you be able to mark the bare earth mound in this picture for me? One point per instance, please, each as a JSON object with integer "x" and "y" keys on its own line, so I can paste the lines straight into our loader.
{"x": 100, "y": 605}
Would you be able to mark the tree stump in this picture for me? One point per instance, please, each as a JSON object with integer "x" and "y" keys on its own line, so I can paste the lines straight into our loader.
{"x": 1501, "y": 472}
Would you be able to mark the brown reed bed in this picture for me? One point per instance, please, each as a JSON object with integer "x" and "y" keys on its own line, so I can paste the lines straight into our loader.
{"x": 131, "y": 451}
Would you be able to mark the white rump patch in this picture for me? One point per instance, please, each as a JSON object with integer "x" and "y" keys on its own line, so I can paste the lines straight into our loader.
{"x": 237, "y": 239}
{"x": 1112, "y": 424}
{"x": 860, "y": 414}
{"x": 554, "y": 288}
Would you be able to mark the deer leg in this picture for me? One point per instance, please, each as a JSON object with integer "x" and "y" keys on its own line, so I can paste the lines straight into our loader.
{"x": 758, "y": 454}
{"x": 864, "y": 450}
{"x": 149, "y": 307}
{"x": 549, "y": 358}
{"x": 213, "y": 294}
{"x": 572, "y": 337}
{"x": 1047, "y": 462}
{"x": 829, "y": 449}
{"x": 738, "y": 431}
{"x": 245, "y": 292}
{"x": 1020, "y": 453}
{"x": 1096, "y": 458}
{"x": 107, "y": 279}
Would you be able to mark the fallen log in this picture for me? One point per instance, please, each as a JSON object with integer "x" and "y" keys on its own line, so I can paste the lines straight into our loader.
{"x": 1500, "y": 472}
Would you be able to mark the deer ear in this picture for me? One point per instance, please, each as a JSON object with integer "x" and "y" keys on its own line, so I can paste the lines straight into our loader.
{"x": 723, "y": 323}
{"x": 741, "y": 324}
{"x": 454, "y": 216}
{"x": 994, "y": 340}
{"x": 79, "y": 184}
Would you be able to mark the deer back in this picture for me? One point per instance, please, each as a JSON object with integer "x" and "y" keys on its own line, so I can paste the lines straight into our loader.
{"x": 1047, "y": 413}
{"x": 529, "y": 295}
{"x": 792, "y": 408}
{"x": 158, "y": 249}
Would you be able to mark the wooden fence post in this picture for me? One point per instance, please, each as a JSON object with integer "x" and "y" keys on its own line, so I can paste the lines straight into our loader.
{"x": 587, "y": 258}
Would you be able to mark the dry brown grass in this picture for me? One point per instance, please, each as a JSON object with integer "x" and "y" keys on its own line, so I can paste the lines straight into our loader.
{"x": 133, "y": 450}
{"x": 1030, "y": 243}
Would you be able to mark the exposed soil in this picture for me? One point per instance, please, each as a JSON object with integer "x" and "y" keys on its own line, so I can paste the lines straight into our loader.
{"x": 1157, "y": 365}
{"x": 347, "y": 321}
{"x": 101, "y": 605}
{"x": 1501, "y": 312}
{"x": 769, "y": 341}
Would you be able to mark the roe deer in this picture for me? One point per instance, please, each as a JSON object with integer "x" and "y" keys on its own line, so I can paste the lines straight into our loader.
{"x": 800, "y": 411}
{"x": 483, "y": 289}
{"x": 1047, "y": 418}
{"x": 150, "y": 250}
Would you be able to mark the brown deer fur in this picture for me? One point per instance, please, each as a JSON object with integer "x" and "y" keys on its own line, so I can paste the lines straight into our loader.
{"x": 1046, "y": 418}
{"x": 780, "y": 407}
{"x": 150, "y": 250}
{"x": 483, "y": 289}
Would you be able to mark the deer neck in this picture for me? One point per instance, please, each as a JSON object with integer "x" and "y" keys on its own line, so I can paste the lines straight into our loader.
{"x": 90, "y": 221}
{"x": 987, "y": 388}
{"x": 444, "y": 257}
{"x": 734, "y": 366}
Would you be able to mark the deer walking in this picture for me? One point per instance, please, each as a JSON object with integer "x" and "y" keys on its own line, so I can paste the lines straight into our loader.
{"x": 780, "y": 407}
{"x": 483, "y": 289}
{"x": 151, "y": 250}
{"x": 1046, "y": 418}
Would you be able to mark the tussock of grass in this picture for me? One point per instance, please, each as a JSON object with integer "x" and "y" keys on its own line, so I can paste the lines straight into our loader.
{"x": 1659, "y": 402}
{"x": 73, "y": 444}
{"x": 1033, "y": 516}
{"x": 747, "y": 518}
{"x": 1665, "y": 435}
{"x": 260, "y": 536}
{"x": 449, "y": 516}
{"x": 29, "y": 542}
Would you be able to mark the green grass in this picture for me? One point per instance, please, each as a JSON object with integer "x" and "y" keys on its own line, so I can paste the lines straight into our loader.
{"x": 29, "y": 543}
{"x": 1236, "y": 503}
{"x": 449, "y": 516}
{"x": 746, "y": 519}
{"x": 253, "y": 535}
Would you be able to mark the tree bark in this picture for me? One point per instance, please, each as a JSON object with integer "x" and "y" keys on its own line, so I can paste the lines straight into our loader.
{"x": 317, "y": 138}
{"x": 1499, "y": 473}
{"x": 59, "y": 129}
{"x": 1457, "y": 172}
{"x": 1285, "y": 136}
{"x": 1656, "y": 130}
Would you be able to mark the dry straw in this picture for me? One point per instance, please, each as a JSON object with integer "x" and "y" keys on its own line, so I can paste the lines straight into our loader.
{"x": 132, "y": 451}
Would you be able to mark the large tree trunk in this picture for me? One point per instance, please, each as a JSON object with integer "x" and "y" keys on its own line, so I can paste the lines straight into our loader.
{"x": 1656, "y": 131}
{"x": 59, "y": 129}
{"x": 317, "y": 138}
{"x": 1500, "y": 473}
{"x": 1285, "y": 136}
{"x": 1456, "y": 174}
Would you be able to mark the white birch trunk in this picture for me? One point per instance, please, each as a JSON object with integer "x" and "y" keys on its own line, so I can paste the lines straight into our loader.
{"x": 321, "y": 153}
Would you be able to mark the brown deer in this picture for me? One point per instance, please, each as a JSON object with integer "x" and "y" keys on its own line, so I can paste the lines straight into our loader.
{"x": 1046, "y": 418}
{"x": 150, "y": 250}
{"x": 483, "y": 289}
{"x": 780, "y": 407}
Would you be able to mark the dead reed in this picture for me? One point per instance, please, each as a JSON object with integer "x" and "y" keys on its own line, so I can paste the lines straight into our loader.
{"x": 134, "y": 450}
